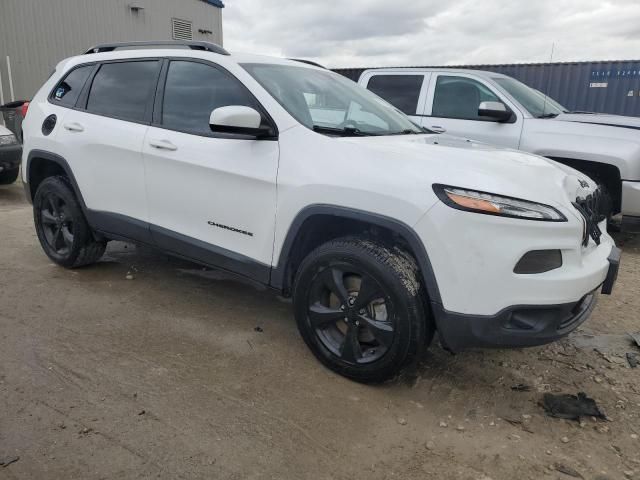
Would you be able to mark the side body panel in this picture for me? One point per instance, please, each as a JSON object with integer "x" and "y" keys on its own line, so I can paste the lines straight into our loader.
{"x": 216, "y": 190}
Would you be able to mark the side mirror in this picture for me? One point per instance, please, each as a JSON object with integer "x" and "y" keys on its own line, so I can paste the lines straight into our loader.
{"x": 497, "y": 111}
{"x": 238, "y": 119}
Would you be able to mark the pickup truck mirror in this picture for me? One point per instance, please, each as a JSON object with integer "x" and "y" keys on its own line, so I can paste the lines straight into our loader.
{"x": 239, "y": 119}
{"x": 497, "y": 111}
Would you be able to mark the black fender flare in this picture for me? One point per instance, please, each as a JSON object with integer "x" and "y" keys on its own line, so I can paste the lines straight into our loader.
{"x": 62, "y": 163}
{"x": 279, "y": 272}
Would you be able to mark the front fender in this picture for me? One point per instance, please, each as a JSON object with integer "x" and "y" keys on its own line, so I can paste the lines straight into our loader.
{"x": 578, "y": 141}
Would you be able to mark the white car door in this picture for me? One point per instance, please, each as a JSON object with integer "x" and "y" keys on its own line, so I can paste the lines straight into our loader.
{"x": 212, "y": 197}
{"x": 407, "y": 91}
{"x": 101, "y": 139}
{"x": 452, "y": 106}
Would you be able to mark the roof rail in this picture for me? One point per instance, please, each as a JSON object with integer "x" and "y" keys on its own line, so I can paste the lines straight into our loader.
{"x": 308, "y": 62}
{"x": 206, "y": 46}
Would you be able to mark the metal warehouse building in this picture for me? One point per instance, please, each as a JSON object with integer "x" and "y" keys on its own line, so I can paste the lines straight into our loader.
{"x": 605, "y": 87}
{"x": 36, "y": 34}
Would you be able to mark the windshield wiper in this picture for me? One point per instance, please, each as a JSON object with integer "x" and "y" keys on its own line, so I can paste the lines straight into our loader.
{"x": 407, "y": 131}
{"x": 343, "y": 132}
{"x": 548, "y": 115}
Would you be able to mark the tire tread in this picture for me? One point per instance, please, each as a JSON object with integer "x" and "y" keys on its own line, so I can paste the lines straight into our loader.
{"x": 399, "y": 264}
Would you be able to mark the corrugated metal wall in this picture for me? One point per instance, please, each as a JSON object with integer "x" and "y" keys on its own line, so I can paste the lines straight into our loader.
{"x": 37, "y": 34}
{"x": 606, "y": 87}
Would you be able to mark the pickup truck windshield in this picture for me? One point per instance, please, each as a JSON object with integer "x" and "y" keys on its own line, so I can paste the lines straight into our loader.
{"x": 534, "y": 101}
{"x": 329, "y": 103}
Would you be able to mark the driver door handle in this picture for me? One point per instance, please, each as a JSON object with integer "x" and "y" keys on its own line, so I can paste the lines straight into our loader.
{"x": 437, "y": 129}
{"x": 74, "y": 127}
{"x": 163, "y": 145}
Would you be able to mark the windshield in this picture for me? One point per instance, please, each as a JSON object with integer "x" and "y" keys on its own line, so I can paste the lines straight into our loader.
{"x": 329, "y": 103}
{"x": 538, "y": 104}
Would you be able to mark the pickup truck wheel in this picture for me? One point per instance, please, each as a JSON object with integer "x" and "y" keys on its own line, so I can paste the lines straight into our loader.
{"x": 359, "y": 308}
{"x": 61, "y": 227}
{"x": 7, "y": 177}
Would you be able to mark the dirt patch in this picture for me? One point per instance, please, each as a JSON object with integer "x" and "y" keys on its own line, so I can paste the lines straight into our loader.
{"x": 83, "y": 353}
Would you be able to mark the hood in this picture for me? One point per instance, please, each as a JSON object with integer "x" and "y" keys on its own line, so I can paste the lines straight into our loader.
{"x": 468, "y": 164}
{"x": 600, "y": 119}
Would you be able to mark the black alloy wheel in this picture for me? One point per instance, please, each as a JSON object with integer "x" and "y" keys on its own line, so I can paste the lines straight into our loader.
{"x": 64, "y": 234}
{"x": 351, "y": 314}
{"x": 360, "y": 308}
{"x": 57, "y": 223}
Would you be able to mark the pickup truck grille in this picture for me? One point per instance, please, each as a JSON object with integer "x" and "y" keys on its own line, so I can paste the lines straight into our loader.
{"x": 592, "y": 210}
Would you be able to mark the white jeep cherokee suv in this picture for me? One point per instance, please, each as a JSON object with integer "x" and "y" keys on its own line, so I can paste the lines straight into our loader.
{"x": 497, "y": 109}
{"x": 298, "y": 178}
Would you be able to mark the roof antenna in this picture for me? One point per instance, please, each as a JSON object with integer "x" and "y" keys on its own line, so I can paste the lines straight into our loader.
{"x": 544, "y": 105}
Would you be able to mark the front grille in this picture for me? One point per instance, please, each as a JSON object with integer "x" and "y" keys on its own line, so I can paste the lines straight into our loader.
{"x": 592, "y": 208}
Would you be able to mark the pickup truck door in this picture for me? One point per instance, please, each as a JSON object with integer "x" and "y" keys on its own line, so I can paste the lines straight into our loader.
{"x": 452, "y": 103}
{"x": 407, "y": 90}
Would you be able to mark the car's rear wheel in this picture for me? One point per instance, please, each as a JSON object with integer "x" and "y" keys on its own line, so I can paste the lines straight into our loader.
{"x": 63, "y": 231}
{"x": 7, "y": 177}
{"x": 359, "y": 308}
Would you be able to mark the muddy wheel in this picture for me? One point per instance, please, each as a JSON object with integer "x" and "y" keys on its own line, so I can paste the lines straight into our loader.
{"x": 359, "y": 308}
{"x": 62, "y": 229}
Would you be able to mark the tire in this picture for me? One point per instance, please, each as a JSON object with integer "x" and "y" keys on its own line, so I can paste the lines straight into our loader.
{"x": 63, "y": 231}
{"x": 369, "y": 340}
{"x": 7, "y": 177}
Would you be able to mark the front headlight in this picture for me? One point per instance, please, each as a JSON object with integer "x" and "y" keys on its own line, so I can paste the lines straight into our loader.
{"x": 491, "y": 204}
{"x": 8, "y": 140}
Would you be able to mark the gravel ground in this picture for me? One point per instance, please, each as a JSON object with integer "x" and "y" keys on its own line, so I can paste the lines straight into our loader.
{"x": 148, "y": 367}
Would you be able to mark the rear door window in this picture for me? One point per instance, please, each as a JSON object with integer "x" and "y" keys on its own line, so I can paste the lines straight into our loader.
{"x": 401, "y": 91}
{"x": 68, "y": 90}
{"x": 124, "y": 90}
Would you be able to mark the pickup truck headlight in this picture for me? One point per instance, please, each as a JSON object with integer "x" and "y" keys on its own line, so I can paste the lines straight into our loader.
{"x": 491, "y": 204}
{"x": 6, "y": 140}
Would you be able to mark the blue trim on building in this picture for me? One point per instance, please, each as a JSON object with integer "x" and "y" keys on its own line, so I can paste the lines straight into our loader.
{"x": 215, "y": 3}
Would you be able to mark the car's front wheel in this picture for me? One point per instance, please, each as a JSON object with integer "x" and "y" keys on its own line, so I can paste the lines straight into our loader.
{"x": 359, "y": 308}
{"x": 63, "y": 232}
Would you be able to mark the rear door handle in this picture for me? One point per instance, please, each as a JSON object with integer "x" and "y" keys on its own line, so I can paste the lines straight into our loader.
{"x": 163, "y": 145}
{"x": 74, "y": 127}
{"x": 437, "y": 129}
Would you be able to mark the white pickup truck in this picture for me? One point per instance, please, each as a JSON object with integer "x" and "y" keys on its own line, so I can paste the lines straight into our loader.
{"x": 497, "y": 109}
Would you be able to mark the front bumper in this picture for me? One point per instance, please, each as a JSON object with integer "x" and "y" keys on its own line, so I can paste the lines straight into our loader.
{"x": 520, "y": 326}
{"x": 473, "y": 258}
{"x": 631, "y": 206}
{"x": 631, "y": 198}
{"x": 10, "y": 157}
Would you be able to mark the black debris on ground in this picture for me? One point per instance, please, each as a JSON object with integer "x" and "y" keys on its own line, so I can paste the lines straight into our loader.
{"x": 632, "y": 359}
{"x": 258, "y": 329}
{"x": 572, "y": 472}
{"x": 521, "y": 387}
{"x": 6, "y": 461}
{"x": 571, "y": 407}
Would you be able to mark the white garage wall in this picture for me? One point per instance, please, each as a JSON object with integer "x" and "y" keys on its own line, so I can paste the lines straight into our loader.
{"x": 36, "y": 34}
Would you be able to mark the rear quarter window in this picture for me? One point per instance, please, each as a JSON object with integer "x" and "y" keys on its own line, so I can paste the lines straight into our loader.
{"x": 401, "y": 91}
{"x": 68, "y": 90}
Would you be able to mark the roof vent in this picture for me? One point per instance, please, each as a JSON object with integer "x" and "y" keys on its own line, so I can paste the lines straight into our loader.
{"x": 181, "y": 29}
